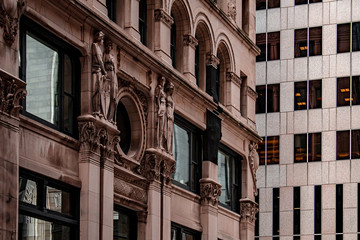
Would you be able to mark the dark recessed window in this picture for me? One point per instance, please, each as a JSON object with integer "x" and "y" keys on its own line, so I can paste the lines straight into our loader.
{"x": 273, "y": 4}
{"x": 229, "y": 176}
{"x": 315, "y": 95}
{"x": 261, "y": 100}
{"x": 303, "y": 45}
{"x": 300, "y": 2}
{"x": 300, "y": 147}
{"x": 257, "y": 216}
{"x": 142, "y": 21}
{"x": 343, "y": 37}
{"x": 125, "y": 224}
{"x": 356, "y": 36}
{"x": 276, "y": 213}
{"x": 111, "y": 7}
{"x": 300, "y": 95}
{"x": 187, "y": 153}
{"x": 273, "y": 46}
{"x": 197, "y": 64}
{"x": 261, "y": 43}
{"x": 347, "y": 94}
{"x": 48, "y": 209}
{"x": 339, "y": 211}
{"x": 124, "y": 126}
{"x": 269, "y": 150}
{"x": 51, "y": 70}
{"x": 307, "y": 147}
{"x": 317, "y": 213}
{"x": 296, "y": 213}
{"x": 272, "y": 96}
{"x": 260, "y": 4}
{"x": 179, "y": 232}
{"x": 173, "y": 42}
{"x": 343, "y": 144}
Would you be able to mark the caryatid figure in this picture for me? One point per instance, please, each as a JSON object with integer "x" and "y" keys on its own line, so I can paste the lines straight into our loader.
{"x": 170, "y": 117}
{"x": 111, "y": 79}
{"x": 98, "y": 70}
{"x": 160, "y": 96}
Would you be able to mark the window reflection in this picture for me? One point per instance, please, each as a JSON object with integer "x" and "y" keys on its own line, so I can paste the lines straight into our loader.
{"x": 125, "y": 224}
{"x": 224, "y": 177}
{"x": 270, "y": 47}
{"x": 300, "y": 95}
{"x": 271, "y": 155}
{"x": 302, "y": 44}
{"x": 182, "y": 154}
{"x": 300, "y": 147}
{"x": 28, "y": 191}
{"x": 58, "y": 200}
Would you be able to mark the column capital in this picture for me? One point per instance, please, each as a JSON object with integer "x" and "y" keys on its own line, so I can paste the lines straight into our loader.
{"x": 248, "y": 210}
{"x": 161, "y": 15}
{"x": 210, "y": 191}
{"x": 190, "y": 40}
{"x": 232, "y": 77}
{"x": 212, "y": 60}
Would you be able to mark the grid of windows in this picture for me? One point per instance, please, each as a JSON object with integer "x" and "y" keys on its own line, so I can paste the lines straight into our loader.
{"x": 269, "y": 150}
{"x": 307, "y": 147}
{"x": 344, "y": 39}
{"x": 348, "y": 91}
{"x": 308, "y": 42}
{"x": 308, "y": 95}
{"x": 345, "y": 140}
{"x": 268, "y": 98}
{"x": 269, "y": 44}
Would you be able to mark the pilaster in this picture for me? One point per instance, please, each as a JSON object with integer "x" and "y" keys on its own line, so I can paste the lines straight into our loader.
{"x": 163, "y": 22}
{"x": 132, "y": 18}
{"x": 233, "y": 92}
{"x": 212, "y": 63}
{"x": 190, "y": 43}
{"x": 248, "y": 210}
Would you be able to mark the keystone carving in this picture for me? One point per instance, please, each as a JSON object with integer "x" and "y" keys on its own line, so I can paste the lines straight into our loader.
{"x": 161, "y": 15}
{"x": 210, "y": 192}
{"x": 248, "y": 210}
{"x": 12, "y": 91}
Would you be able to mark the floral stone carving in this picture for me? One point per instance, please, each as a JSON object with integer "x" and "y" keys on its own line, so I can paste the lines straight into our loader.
{"x": 248, "y": 210}
{"x": 210, "y": 191}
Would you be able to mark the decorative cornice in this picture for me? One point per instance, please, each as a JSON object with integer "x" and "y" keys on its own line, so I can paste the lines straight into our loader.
{"x": 12, "y": 91}
{"x": 210, "y": 191}
{"x": 161, "y": 15}
{"x": 251, "y": 92}
{"x": 248, "y": 210}
{"x": 212, "y": 60}
{"x": 190, "y": 40}
{"x": 232, "y": 77}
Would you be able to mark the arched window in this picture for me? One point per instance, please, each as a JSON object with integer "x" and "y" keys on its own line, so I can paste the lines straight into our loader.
{"x": 124, "y": 126}
{"x": 222, "y": 69}
{"x": 203, "y": 36}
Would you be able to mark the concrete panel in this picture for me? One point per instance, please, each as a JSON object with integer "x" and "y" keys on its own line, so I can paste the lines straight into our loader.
{"x": 328, "y": 221}
{"x": 332, "y": 12}
{"x": 282, "y": 176}
{"x": 286, "y": 3}
{"x": 355, "y": 169}
{"x": 287, "y": 149}
{"x": 283, "y": 123}
{"x": 306, "y": 226}
{"x": 287, "y": 44}
{"x": 315, "y": 14}
{"x": 332, "y": 172}
{"x": 343, "y": 11}
{"x": 273, "y": 124}
{"x": 286, "y": 199}
{"x": 260, "y": 176}
{"x": 326, "y": 13}
{"x": 343, "y": 118}
{"x": 300, "y": 121}
{"x": 315, "y": 173}
{"x": 265, "y": 228}
{"x": 260, "y": 123}
{"x": 301, "y": 16}
{"x": 307, "y": 198}
{"x": 328, "y": 146}
{"x": 343, "y": 64}
{"x": 315, "y": 67}
{"x": 286, "y": 223}
{"x": 315, "y": 120}
{"x": 261, "y": 21}
{"x": 350, "y": 195}
{"x": 325, "y": 172}
{"x": 272, "y": 176}
{"x": 355, "y": 63}
{"x": 284, "y": 18}
{"x": 329, "y": 93}
{"x": 260, "y": 73}
{"x": 355, "y": 11}
{"x": 300, "y": 174}
{"x": 283, "y": 71}
{"x": 326, "y": 66}
{"x": 325, "y": 119}
{"x": 332, "y": 66}
{"x": 328, "y": 193}
{"x": 329, "y": 39}
{"x": 291, "y": 17}
{"x": 290, "y": 69}
{"x": 273, "y": 22}
{"x": 350, "y": 218}
{"x": 333, "y": 119}
{"x": 286, "y": 97}
{"x": 343, "y": 171}
{"x": 355, "y": 113}
{"x": 273, "y": 72}
{"x": 290, "y": 122}
{"x": 300, "y": 69}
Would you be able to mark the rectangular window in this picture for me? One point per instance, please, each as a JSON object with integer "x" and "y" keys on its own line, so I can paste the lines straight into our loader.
{"x": 229, "y": 176}
{"x": 257, "y": 216}
{"x": 355, "y": 144}
{"x": 305, "y": 44}
{"x": 50, "y": 68}
{"x": 261, "y": 151}
{"x": 339, "y": 212}
{"x": 356, "y": 36}
{"x": 317, "y": 213}
{"x": 314, "y": 152}
{"x": 48, "y": 209}
{"x": 307, "y": 147}
{"x": 296, "y": 213}
{"x": 348, "y": 91}
{"x": 343, "y": 37}
{"x": 343, "y": 139}
{"x": 271, "y": 46}
{"x": 187, "y": 153}
{"x": 125, "y": 224}
{"x": 300, "y": 2}
{"x": 142, "y": 21}
{"x": 273, "y": 4}
{"x": 261, "y": 100}
{"x": 111, "y": 7}
{"x": 271, "y": 99}
{"x": 269, "y": 150}
{"x": 315, "y": 94}
{"x": 180, "y": 233}
{"x": 276, "y": 213}
{"x": 301, "y": 95}
{"x": 260, "y": 4}
{"x": 261, "y": 43}
{"x": 300, "y": 148}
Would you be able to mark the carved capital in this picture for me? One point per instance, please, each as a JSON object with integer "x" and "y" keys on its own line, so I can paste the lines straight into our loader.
{"x": 210, "y": 191}
{"x": 232, "y": 77}
{"x": 251, "y": 93}
{"x": 12, "y": 91}
{"x": 161, "y": 15}
{"x": 212, "y": 60}
{"x": 190, "y": 40}
{"x": 150, "y": 167}
{"x": 248, "y": 210}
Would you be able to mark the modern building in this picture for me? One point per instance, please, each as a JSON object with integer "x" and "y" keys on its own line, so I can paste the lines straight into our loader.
{"x": 127, "y": 119}
{"x": 308, "y": 110}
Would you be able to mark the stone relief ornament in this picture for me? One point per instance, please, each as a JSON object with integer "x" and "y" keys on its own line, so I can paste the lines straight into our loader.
{"x": 248, "y": 210}
{"x": 10, "y": 13}
{"x": 210, "y": 191}
{"x": 161, "y": 15}
{"x": 232, "y": 10}
{"x": 12, "y": 91}
{"x": 170, "y": 117}
{"x": 253, "y": 162}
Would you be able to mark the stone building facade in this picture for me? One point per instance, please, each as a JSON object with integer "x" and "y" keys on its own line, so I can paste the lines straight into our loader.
{"x": 308, "y": 116}
{"x": 127, "y": 119}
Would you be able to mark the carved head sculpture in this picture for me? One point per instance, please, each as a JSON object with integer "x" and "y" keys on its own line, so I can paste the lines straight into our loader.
{"x": 99, "y": 37}
{"x": 170, "y": 88}
{"x": 108, "y": 46}
{"x": 162, "y": 81}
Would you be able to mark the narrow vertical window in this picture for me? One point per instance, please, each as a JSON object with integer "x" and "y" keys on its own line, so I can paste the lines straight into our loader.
{"x": 261, "y": 43}
{"x": 273, "y": 150}
{"x": 173, "y": 42}
{"x": 197, "y": 64}
{"x": 356, "y": 36}
{"x": 315, "y": 41}
{"x": 355, "y": 144}
{"x": 314, "y": 147}
{"x": 276, "y": 213}
{"x": 273, "y": 98}
{"x": 342, "y": 145}
{"x": 300, "y": 95}
{"x": 317, "y": 213}
{"x": 343, "y": 38}
{"x": 142, "y": 21}
{"x": 355, "y": 90}
{"x": 111, "y": 7}
{"x": 261, "y": 151}
{"x": 343, "y": 91}
{"x": 273, "y": 46}
{"x": 300, "y": 43}
{"x": 261, "y": 100}
{"x": 315, "y": 94}
{"x": 296, "y": 213}
{"x": 257, "y": 220}
{"x": 339, "y": 212}
{"x": 300, "y": 148}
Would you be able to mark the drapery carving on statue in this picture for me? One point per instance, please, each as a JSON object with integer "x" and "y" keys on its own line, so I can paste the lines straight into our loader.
{"x": 10, "y": 13}
{"x": 253, "y": 162}
{"x": 169, "y": 117}
{"x": 248, "y": 210}
{"x": 232, "y": 9}
{"x": 210, "y": 192}
{"x": 12, "y": 91}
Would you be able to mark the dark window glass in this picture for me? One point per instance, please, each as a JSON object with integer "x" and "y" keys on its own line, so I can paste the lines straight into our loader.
{"x": 273, "y": 46}
{"x": 339, "y": 212}
{"x": 261, "y": 151}
{"x": 300, "y": 148}
{"x": 315, "y": 94}
{"x": 124, "y": 126}
{"x": 314, "y": 1}
{"x": 296, "y": 211}
{"x": 355, "y": 90}
{"x": 315, "y": 41}
{"x": 300, "y": 95}
{"x": 142, "y": 21}
{"x": 273, "y": 3}
{"x": 257, "y": 220}
{"x": 273, "y": 98}
{"x": 300, "y": 2}
{"x": 301, "y": 43}
{"x": 343, "y": 91}
{"x": 343, "y": 38}
{"x": 273, "y": 150}
{"x": 358, "y": 211}
{"x": 261, "y": 100}
{"x": 342, "y": 145}
{"x": 356, "y": 36}
{"x": 229, "y": 178}
{"x": 182, "y": 233}
{"x": 317, "y": 212}
{"x": 260, "y": 4}
{"x": 111, "y": 7}
{"x": 186, "y": 149}
{"x": 355, "y": 144}
{"x": 125, "y": 224}
{"x": 261, "y": 43}
{"x": 197, "y": 64}
{"x": 276, "y": 213}
{"x": 314, "y": 147}
{"x": 173, "y": 42}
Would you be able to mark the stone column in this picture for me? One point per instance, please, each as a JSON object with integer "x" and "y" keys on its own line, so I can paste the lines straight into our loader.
{"x": 190, "y": 43}
{"x": 233, "y": 92}
{"x": 132, "y": 18}
{"x": 12, "y": 90}
{"x": 212, "y": 63}
{"x": 163, "y": 22}
{"x": 248, "y": 210}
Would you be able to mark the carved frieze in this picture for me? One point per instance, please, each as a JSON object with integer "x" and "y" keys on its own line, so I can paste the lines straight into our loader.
{"x": 232, "y": 77}
{"x": 130, "y": 191}
{"x": 212, "y": 60}
{"x": 210, "y": 192}
{"x": 248, "y": 210}
{"x": 251, "y": 93}
{"x": 190, "y": 40}
{"x": 161, "y": 15}
{"x": 12, "y": 91}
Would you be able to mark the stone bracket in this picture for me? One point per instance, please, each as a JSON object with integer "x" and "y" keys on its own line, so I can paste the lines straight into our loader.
{"x": 248, "y": 210}
{"x": 161, "y": 15}
{"x": 210, "y": 191}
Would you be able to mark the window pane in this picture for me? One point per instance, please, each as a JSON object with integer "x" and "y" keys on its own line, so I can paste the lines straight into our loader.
{"x": 314, "y": 147}
{"x": 273, "y": 45}
{"x": 28, "y": 191}
{"x": 42, "y": 97}
{"x": 68, "y": 114}
{"x": 260, "y": 4}
{"x": 261, "y": 151}
{"x": 121, "y": 225}
{"x": 315, "y": 94}
{"x": 124, "y": 126}
{"x": 342, "y": 145}
{"x": 187, "y": 236}
{"x": 343, "y": 38}
{"x": 224, "y": 178}
{"x": 339, "y": 210}
{"x": 343, "y": 91}
{"x": 142, "y": 21}
{"x": 68, "y": 77}
{"x": 182, "y": 154}
{"x": 34, "y": 228}
{"x": 261, "y": 42}
{"x": 356, "y": 90}
{"x": 300, "y": 148}
{"x": 273, "y": 98}
{"x": 300, "y": 95}
{"x": 173, "y": 42}
{"x": 356, "y": 36}
{"x": 317, "y": 218}
{"x": 299, "y": 2}
{"x": 314, "y": 1}
{"x": 273, "y": 3}
{"x": 296, "y": 210}
{"x": 58, "y": 200}
{"x": 315, "y": 40}
{"x": 355, "y": 144}
{"x": 261, "y": 100}
{"x": 300, "y": 42}
{"x": 276, "y": 211}
{"x": 273, "y": 150}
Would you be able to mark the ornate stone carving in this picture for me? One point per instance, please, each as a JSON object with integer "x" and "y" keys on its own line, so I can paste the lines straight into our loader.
{"x": 12, "y": 91}
{"x": 169, "y": 117}
{"x": 130, "y": 191}
{"x": 10, "y": 13}
{"x": 190, "y": 40}
{"x": 232, "y": 10}
{"x": 161, "y": 15}
{"x": 253, "y": 162}
{"x": 251, "y": 92}
{"x": 89, "y": 136}
{"x": 167, "y": 170}
{"x": 248, "y": 210}
{"x": 150, "y": 167}
{"x": 210, "y": 191}
{"x": 211, "y": 59}
{"x": 232, "y": 77}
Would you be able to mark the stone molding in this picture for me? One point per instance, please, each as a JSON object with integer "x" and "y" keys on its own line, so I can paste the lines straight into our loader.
{"x": 252, "y": 93}
{"x": 10, "y": 13}
{"x": 232, "y": 77}
{"x": 248, "y": 210}
{"x": 210, "y": 191}
{"x": 212, "y": 60}
{"x": 190, "y": 40}
{"x": 12, "y": 91}
{"x": 161, "y": 15}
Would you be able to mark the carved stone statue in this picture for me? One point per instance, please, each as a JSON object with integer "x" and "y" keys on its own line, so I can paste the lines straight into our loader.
{"x": 232, "y": 10}
{"x": 170, "y": 117}
{"x": 160, "y": 96}
{"x": 98, "y": 72}
{"x": 111, "y": 82}
{"x": 254, "y": 156}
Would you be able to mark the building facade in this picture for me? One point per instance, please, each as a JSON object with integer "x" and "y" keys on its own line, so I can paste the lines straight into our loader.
{"x": 308, "y": 112}
{"x": 127, "y": 119}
